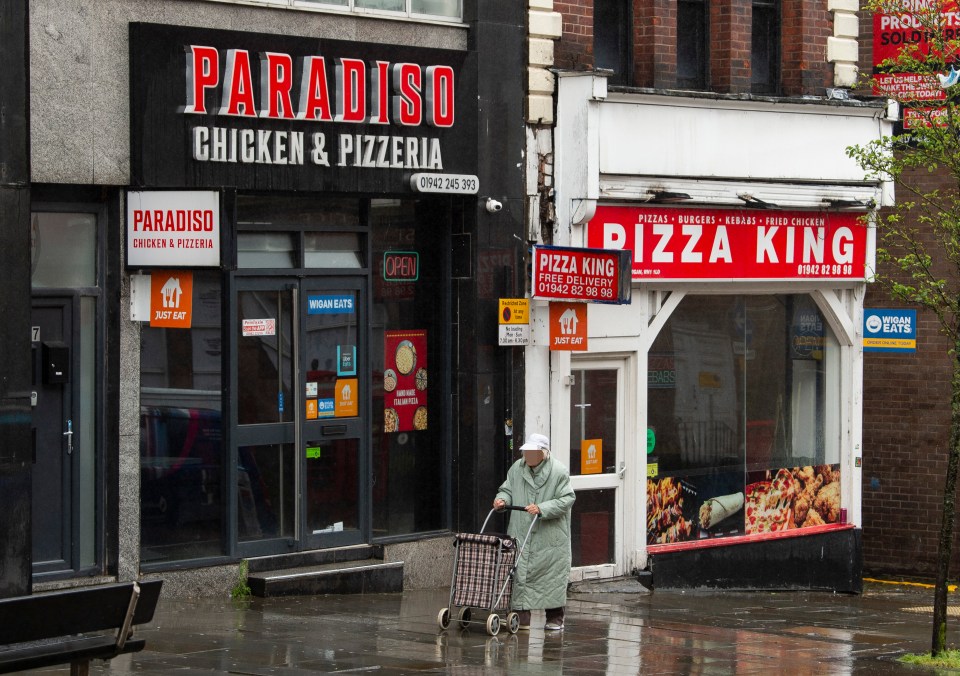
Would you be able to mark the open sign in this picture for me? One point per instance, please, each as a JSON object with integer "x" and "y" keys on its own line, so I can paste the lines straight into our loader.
{"x": 401, "y": 266}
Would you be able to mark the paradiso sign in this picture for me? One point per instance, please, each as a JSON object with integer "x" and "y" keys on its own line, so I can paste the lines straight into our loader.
{"x": 732, "y": 244}
{"x": 213, "y": 108}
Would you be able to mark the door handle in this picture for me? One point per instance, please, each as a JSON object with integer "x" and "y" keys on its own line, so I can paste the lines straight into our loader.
{"x": 69, "y": 435}
{"x": 623, "y": 469}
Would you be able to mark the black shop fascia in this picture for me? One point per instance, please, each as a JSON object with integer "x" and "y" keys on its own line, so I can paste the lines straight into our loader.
{"x": 214, "y": 109}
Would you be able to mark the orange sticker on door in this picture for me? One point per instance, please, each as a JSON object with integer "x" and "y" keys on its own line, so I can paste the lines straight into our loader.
{"x": 591, "y": 456}
{"x": 568, "y": 326}
{"x": 171, "y": 299}
{"x": 346, "y": 396}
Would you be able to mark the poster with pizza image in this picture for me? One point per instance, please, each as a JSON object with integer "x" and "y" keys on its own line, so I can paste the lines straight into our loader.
{"x": 405, "y": 381}
{"x": 794, "y": 497}
{"x": 694, "y": 505}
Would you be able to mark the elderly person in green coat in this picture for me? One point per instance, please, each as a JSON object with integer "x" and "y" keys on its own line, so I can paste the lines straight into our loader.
{"x": 542, "y": 485}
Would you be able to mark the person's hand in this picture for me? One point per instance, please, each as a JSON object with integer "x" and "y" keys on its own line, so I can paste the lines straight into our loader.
{"x": 532, "y": 509}
{"x": 499, "y": 504}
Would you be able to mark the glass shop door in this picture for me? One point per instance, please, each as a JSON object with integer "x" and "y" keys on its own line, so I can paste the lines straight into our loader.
{"x": 597, "y": 465}
{"x": 300, "y": 436}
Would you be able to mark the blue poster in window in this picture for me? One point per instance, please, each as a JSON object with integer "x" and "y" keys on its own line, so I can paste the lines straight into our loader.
{"x": 886, "y": 330}
{"x": 346, "y": 360}
{"x": 332, "y": 304}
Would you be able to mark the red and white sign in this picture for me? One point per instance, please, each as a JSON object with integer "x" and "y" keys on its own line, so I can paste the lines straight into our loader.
{"x": 566, "y": 273}
{"x": 259, "y": 327}
{"x": 179, "y": 228}
{"x": 893, "y": 33}
{"x": 732, "y": 244}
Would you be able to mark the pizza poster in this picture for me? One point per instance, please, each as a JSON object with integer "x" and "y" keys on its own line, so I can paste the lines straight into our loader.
{"x": 405, "y": 381}
{"x": 795, "y": 497}
{"x": 699, "y": 506}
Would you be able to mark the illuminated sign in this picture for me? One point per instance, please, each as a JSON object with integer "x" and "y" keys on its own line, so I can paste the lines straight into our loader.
{"x": 401, "y": 266}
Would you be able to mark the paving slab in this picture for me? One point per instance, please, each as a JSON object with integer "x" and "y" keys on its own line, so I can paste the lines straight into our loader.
{"x": 624, "y": 631}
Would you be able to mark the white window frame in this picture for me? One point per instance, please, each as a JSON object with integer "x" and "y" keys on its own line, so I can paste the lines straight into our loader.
{"x": 351, "y": 8}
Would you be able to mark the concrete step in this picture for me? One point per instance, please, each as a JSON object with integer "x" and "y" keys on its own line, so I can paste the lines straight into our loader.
{"x": 366, "y": 576}
{"x": 317, "y": 557}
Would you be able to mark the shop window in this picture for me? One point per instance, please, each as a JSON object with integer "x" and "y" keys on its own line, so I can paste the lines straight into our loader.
{"x": 266, "y": 250}
{"x": 408, "y": 361}
{"x": 277, "y": 233}
{"x": 692, "y": 44}
{"x": 181, "y": 434}
{"x": 63, "y": 247}
{"x": 332, "y": 250}
{"x": 611, "y": 38}
{"x": 442, "y": 9}
{"x": 743, "y": 404}
{"x": 765, "y": 47}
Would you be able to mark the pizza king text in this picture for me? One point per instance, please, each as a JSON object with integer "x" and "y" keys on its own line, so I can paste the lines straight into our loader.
{"x": 669, "y": 243}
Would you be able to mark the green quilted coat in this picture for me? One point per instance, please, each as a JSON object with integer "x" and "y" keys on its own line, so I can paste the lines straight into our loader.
{"x": 544, "y": 568}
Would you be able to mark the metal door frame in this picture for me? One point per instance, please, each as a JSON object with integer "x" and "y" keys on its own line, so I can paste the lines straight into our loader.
{"x": 299, "y": 284}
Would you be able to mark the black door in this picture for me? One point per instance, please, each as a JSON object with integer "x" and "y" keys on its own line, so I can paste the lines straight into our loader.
{"x": 55, "y": 429}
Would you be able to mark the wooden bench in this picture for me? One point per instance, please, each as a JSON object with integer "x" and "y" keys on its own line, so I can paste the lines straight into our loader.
{"x": 57, "y": 627}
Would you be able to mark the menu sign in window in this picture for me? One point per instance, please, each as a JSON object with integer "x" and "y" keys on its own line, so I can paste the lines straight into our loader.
{"x": 405, "y": 381}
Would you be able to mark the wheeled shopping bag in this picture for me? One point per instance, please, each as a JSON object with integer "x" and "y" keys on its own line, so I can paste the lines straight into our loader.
{"x": 483, "y": 570}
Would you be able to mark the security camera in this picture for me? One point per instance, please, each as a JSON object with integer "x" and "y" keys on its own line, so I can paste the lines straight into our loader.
{"x": 493, "y": 206}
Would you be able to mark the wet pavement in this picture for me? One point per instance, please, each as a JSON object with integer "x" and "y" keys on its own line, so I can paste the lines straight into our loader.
{"x": 692, "y": 632}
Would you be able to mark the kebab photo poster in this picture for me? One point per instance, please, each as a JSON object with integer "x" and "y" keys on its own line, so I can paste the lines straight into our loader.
{"x": 405, "y": 381}
{"x": 698, "y": 506}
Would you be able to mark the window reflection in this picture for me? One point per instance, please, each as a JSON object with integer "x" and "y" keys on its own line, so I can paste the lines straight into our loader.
{"x": 181, "y": 434}
{"x": 408, "y": 465}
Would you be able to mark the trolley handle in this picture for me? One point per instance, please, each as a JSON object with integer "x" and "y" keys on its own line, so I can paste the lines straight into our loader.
{"x": 514, "y": 508}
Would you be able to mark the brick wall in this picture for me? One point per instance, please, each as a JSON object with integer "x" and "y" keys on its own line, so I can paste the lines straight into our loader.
{"x": 655, "y": 43}
{"x": 805, "y": 28}
{"x": 906, "y": 432}
{"x": 574, "y": 51}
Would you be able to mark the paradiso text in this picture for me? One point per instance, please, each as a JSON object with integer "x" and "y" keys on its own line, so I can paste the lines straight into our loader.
{"x": 348, "y": 91}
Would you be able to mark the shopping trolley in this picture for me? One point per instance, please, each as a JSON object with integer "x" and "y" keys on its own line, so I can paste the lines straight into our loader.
{"x": 483, "y": 570}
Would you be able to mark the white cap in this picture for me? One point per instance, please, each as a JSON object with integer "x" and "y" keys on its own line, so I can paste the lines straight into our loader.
{"x": 537, "y": 442}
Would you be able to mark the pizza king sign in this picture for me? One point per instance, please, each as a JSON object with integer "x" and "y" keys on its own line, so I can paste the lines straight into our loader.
{"x": 701, "y": 244}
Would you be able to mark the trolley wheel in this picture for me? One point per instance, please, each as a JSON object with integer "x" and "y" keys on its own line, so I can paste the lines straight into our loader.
{"x": 443, "y": 618}
{"x": 493, "y": 624}
{"x": 513, "y": 622}
{"x": 464, "y": 617}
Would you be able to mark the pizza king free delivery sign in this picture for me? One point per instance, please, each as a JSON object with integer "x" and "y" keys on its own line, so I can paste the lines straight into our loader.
{"x": 703, "y": 244}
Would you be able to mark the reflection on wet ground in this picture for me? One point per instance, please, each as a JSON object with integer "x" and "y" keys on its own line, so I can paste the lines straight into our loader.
{"x": 700, "y": 632}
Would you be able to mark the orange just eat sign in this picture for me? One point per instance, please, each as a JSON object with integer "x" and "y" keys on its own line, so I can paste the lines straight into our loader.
{"x": 591, "y": 456}
{"x": 568, "y": 326}
{"x": 171, "y": 299}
